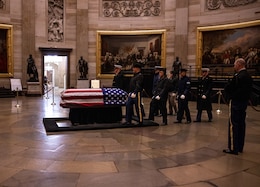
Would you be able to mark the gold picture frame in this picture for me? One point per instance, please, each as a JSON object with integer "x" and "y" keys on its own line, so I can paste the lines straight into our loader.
{"x": 219, "y": 46}
{"x": 127, "y": 47}
{"x": 6, "y": 50}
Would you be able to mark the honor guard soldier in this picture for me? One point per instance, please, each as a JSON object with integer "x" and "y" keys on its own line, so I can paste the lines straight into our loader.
{"x": 183, "y": 97}
{"x": 135, "y": 96}
{"x": 203, "y": 95}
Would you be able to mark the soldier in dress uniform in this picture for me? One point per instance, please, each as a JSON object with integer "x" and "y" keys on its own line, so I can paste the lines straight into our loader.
{"x": 136, "y": 87}
{"x": 203, "y": 95}
{"x": 183, "y": 97}
{"x": 160, "y": 96}
{"x": 118, "y": 80}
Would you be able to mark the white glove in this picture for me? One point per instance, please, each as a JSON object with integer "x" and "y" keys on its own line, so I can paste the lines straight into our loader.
{"x": 157, "y": 97}
{"x": 133, "y": 95}
{"x": 203, "y": 97}
{"x": 182, "y": 97}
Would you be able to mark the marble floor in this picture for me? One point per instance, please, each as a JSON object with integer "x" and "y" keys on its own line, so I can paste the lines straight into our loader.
{"x": 187, "y": 155}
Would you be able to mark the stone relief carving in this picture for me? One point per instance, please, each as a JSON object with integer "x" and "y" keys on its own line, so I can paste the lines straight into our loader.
{"x": 131, "y": 8}
{"x": 55, "y": 20}
{"x": 2, "y": 4}
{"x": 216, "y": 4}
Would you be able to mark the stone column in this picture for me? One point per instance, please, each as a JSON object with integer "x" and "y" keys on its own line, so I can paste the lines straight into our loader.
{"x": 82, "y": 30}
{"x": 181, "y": 31}
{"x": 28, "y": 34}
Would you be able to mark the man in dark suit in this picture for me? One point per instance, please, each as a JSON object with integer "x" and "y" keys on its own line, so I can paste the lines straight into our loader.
{"x": 203, "y": 95}
{"x": 238, "y": 92}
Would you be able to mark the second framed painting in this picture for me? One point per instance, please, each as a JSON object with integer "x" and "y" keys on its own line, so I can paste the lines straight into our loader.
{"x": 219, "y": 46}
{"x": 127, "y": 47}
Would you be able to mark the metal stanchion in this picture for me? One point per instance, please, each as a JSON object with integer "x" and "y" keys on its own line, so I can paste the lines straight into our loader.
{"x": 53, "y": 103}
{"x": 219, "y": 97}
{"x": 17, "y": 104}
{"x": 47, "y": 96}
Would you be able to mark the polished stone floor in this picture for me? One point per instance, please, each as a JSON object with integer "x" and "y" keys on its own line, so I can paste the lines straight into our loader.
{"x": 187, "y": 155}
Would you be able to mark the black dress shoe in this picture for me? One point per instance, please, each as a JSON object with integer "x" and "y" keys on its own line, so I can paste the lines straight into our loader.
{"x": 140, "y": 124}
{"x": 126, "y": 123}
{"x": 188, "y": 122}
{"x": 163, "y": 124}
{"x": 228, "y": 151}
{"x": 197, "y": 121}
{"x": 177, "y": 122}
{"x": 210, "y": 120}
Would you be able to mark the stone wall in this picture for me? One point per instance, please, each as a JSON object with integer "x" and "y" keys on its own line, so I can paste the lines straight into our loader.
{"x": 82, "y": 18}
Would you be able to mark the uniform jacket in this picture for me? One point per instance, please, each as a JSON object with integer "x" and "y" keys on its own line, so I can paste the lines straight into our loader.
{"x": 239, "y": 89}
{"x": 118, "y": 81}
{"x": 204, "y": 88}
{"x": 162, "y": 88}
{"x": 173, "y": 84}
{"x": 184, "y": 86}
{"x": 136, "y": 83}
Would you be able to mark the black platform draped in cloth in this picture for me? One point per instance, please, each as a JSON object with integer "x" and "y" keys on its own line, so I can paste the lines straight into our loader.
{"x": 108, "y": 114}
{"x": 64, "y": 124}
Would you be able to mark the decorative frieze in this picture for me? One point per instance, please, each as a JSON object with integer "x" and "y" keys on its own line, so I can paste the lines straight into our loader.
{"x": 55, "y": 20}
{"x": 216, "y": 4}
{"x": 131, "y": 8}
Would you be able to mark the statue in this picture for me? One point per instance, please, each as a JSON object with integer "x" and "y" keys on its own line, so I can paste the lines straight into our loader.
{"x": 32, "y": 70}
{"x": 83, "y": 68}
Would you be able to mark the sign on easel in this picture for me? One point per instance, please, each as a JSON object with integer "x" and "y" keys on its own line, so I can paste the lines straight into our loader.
{"x": 16, "y": 85}
{"x": 95, "y": 83}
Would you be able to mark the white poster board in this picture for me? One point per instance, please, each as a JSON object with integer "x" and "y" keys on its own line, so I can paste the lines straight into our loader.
{"x": 95, "y": 83}
{"x": 16, "y": 85}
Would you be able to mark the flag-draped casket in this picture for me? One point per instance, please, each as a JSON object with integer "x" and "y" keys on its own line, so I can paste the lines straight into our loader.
{"x": 90, "y": 97}
{"x": 102, "y": 105}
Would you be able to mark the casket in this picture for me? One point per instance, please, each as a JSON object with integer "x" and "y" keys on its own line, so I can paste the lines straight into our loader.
{"x": 101, "y": 105}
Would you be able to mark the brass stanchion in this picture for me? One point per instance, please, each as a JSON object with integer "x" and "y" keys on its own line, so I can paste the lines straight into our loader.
{"x": 53, "y": 103}
{"x": 219, "y": 97}
{"x": 47, "y": 94}
{"x": 17, "y": 104}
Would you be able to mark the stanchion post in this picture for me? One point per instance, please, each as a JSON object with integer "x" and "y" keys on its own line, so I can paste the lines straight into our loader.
{"x": 17, "y": 104}
{"x": 53, "y": 103}
{"x": 219, "y": 97}
{"x": 47, "y": 96}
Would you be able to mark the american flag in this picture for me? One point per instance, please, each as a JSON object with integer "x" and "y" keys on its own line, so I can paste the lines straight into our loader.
{"x": 91, "y": 97}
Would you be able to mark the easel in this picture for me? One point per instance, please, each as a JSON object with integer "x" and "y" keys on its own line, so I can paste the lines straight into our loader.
{"x": 16, "y": 86}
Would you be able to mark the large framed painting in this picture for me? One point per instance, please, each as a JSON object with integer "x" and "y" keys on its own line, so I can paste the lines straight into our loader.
{"x": 219, "y": 46}
{"x": 127, "y": 47}
{"x": 6, "y": 50}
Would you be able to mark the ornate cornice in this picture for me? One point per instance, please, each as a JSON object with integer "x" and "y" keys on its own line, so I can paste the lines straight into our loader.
{"x": 131, "y": 8}
{"x": 216, "y": 4}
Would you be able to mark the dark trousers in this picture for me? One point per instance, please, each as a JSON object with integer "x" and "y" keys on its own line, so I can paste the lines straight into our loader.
{"x": 162, "y": 106}
{"x": 209, "y": 112}
{"x": 137, "y": 101}
{"x": 183, "y": 106}
{"x": 237, "y": 125}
